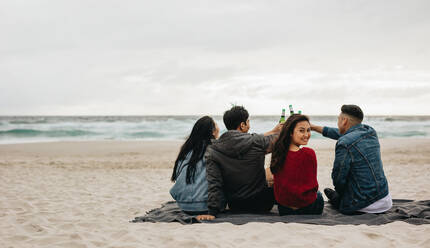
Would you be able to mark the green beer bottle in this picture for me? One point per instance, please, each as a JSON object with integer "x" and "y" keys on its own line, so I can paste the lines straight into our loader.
{"x": 282, "y": 120}
{"x": 300, "y": 112}
{"x": 291, "y": 109}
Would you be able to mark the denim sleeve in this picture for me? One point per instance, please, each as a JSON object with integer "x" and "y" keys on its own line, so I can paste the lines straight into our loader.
{"x": 342, "y": 163}
{"x": 332, "y": 133}
{"x": 216, "y": 199}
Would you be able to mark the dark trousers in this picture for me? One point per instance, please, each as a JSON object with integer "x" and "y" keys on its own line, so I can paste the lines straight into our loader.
{"x": 261, "y": 202}
{"x": 314, "y": 208}
{"x": 195, "y": 212}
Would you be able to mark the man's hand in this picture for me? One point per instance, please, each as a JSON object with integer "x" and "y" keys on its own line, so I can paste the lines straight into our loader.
{"x": 205, "y": 217}
{"x": 316, "y": 128}
{"x": 276, "y": 130}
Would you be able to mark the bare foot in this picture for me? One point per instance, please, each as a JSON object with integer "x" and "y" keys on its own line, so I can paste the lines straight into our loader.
{"x": 205, "y": 217}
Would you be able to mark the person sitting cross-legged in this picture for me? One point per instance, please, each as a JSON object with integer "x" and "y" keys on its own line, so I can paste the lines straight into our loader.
{"x": 358, "y": 175}
{"x": 295, "y": 170}
{"x": 235, "y": 167}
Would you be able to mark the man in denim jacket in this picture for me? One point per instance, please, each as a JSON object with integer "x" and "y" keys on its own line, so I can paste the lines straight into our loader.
{"x": 358, "y": 175}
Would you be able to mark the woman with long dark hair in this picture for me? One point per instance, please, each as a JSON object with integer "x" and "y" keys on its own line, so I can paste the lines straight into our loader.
{"x": 294, "y": 169}
{"x": 189, "y": 173}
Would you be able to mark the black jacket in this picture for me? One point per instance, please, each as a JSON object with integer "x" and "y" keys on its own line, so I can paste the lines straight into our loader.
{"x": 235, "y": 167}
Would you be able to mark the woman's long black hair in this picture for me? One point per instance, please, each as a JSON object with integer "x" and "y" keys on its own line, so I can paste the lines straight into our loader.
{"x": 197, "y": 142}
{"x": 282, "y": 145}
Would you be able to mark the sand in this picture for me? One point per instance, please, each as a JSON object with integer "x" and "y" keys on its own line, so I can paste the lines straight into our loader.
{"x": 83, "y": 194}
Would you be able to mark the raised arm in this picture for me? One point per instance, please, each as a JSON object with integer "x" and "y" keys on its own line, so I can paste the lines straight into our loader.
{"x": 316, "y": 128}
{"x": 332, "y": 133}
{"x": 271, "y": 137}
{"x": 276, "y": 130}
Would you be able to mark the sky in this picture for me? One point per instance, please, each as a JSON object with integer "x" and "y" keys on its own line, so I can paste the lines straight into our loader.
{"x": 196, "y": 57}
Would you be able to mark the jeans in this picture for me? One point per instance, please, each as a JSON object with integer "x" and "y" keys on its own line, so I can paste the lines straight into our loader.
{"x": 314, "y": 208}
{"x": 261, "y": 202}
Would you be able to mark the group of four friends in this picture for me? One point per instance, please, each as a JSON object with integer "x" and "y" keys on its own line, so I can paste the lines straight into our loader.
{"x": 212, "y": 173}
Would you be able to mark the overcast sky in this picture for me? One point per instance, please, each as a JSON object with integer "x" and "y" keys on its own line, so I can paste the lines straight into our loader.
{"x": 198, "y": 57}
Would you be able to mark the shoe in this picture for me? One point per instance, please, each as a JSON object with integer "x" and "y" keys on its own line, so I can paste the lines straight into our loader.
{"x": 330, "y": 193}
{"x": 333, "y": 197}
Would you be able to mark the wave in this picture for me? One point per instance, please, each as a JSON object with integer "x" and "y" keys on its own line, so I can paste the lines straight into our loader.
{"x": 53, "y": 128}
{"x": 41, "y": 133}
{"x": 29, "y": 122}
{"x": 146, "y": 134}
{"x": 405, "y": 134}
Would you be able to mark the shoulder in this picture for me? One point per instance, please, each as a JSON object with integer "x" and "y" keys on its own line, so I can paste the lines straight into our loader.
{"x": 259, "y": 139}
{"x": 255, "y": 136}
{"x": 358, "y": 133}
{"x": 308, "y": 152}
{"x": 187, "y": 157}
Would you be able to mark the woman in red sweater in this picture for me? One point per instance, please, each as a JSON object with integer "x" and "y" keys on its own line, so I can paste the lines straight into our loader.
{"x": 295, "y": 169}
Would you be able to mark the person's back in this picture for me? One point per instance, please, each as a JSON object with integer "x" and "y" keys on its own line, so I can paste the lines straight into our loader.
{"x": 358, "y": 174}
{"x": 235, "y": 167}
{"x": 189, "y": 173}
{"x": 240, "y": 157}
{"x": 366, "y": 182}
{"x": 191, "y": 197}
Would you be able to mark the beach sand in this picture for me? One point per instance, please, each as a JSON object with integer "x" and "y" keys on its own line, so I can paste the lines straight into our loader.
{"x": 83, "y": 194}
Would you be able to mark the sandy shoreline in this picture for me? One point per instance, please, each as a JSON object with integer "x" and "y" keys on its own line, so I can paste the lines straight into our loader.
{"x": 82, "y": 194}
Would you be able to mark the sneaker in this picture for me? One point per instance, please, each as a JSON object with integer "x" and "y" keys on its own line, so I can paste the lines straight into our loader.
{"x": 330, "y": 193}
{"x": 333, "y": 197}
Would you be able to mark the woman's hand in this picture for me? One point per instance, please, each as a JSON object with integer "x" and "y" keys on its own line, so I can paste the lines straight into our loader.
{"x": 269, "y": 177}
{"x": 205, "y": 217}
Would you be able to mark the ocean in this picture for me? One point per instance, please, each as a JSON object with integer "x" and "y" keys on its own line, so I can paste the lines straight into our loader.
{"x": 25, "y": 129}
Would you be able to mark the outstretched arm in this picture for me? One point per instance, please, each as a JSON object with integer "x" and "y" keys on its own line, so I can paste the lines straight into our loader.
{"x": 276, "y": 130}
{"x": 332, "y": 133}
{"x": 316, "y": 128}
{"x": 272, "y": 136}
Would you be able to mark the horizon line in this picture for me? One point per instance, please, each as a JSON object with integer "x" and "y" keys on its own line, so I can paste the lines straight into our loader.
{"x": 185, "y": 115}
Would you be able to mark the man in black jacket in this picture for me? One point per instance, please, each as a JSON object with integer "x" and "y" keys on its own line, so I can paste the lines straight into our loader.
{"x": 235, "y": 167}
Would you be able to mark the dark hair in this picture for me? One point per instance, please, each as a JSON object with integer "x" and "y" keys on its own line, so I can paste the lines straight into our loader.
{"x": 233, "y": 117}
{"x": 199, "y": 139}
{"x": 282, "y": 145}
{"x": 353, "y": 110}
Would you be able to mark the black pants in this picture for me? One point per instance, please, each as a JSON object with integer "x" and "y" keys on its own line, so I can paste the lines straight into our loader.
{"x": 195, "y": 212}
{"x": 261, "y": 202}
{"x": 314, "y": 208}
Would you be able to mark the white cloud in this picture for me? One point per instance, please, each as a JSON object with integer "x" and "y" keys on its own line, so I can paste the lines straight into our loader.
{"x": 194, "y": 57}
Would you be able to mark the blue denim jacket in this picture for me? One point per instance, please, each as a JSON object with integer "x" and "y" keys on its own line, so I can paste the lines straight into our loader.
{"x": 358, "y": 175}
{"x": 191, "y": 197}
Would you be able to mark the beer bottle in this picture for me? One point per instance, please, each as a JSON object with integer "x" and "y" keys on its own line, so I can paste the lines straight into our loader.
{"x": 282, "y": 120}
{"x": 291, "y": 109}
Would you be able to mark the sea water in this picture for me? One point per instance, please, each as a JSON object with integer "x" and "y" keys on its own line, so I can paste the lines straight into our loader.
{"x": 24, "y": 129}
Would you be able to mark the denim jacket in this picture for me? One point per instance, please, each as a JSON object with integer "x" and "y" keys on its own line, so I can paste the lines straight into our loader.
{"x": 191, "y": 197}
{"x": 358, "y": 175}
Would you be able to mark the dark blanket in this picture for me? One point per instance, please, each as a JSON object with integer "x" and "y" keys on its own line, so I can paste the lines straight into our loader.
{"x": 412, "y": 212}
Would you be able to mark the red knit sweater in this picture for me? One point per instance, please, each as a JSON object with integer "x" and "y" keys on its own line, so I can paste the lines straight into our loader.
{"x": 296, "y": 185}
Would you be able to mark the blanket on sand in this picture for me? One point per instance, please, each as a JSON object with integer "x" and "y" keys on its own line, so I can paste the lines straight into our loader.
{"x": 412, "y": 212}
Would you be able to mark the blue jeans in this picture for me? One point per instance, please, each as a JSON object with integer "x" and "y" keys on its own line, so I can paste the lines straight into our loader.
{"x": 314, "y": 208}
